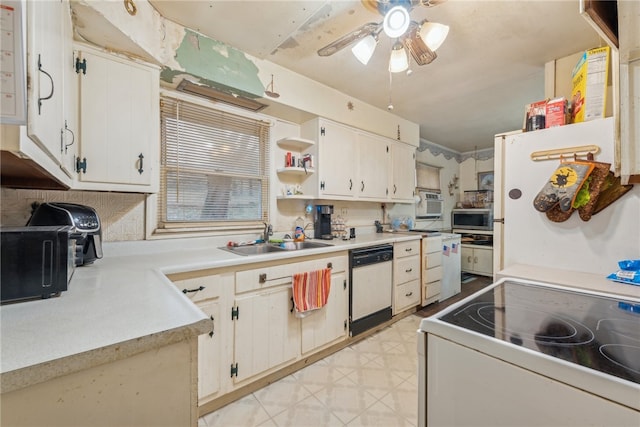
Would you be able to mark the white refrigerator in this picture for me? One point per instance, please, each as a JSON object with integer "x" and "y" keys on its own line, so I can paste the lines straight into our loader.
{"x": 523, "y": 235}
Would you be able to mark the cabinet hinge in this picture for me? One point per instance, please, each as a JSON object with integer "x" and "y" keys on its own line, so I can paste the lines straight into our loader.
{"x": 81, "y": 165}
{"x": 322, "y": 131}
{"x": 81, "y": 66}
{"x": 235, "y": 312}
{"x": 234, "y": 370}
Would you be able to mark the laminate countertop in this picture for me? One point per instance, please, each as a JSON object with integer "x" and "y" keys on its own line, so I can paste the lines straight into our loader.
{"x": 122, "y": 305}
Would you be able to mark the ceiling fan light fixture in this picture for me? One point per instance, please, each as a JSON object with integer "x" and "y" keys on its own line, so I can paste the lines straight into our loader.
{"x": 433, "y": 34}
{"x": 399, "y": 61}
{"x": 364, "y": 49}
{"x": 396, "y": 21}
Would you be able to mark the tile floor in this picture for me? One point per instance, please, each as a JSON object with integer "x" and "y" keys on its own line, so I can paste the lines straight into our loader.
{"x": 370, "y": 383}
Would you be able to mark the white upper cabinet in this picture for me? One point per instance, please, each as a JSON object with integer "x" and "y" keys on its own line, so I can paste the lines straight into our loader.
{"x": 373, "y": 166}
{"x": 119, "y": 123}
{"x": 357, "y": 165}
{"x": 629, "y": 37}
{"x": 403, "y": 157}
{"x": 337, "y": 154}
{"x": 49, "y": 35}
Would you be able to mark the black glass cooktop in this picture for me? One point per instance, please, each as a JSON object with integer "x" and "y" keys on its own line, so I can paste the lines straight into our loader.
{"x": 597, "y": 332}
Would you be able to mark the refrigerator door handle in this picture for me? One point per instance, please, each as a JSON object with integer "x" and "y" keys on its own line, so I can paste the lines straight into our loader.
{"x": 500, "y": 220}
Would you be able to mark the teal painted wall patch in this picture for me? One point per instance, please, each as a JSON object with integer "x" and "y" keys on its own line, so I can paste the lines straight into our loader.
{"x": 217, "y": 65}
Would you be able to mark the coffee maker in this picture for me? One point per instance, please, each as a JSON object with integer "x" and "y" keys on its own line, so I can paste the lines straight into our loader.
{"x": 322, "y": 222}
{"x": 86, "y": 231}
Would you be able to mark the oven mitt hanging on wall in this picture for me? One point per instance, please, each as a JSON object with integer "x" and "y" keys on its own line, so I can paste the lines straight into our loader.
{"x": 586, "y": 197}
{"x": 590, "y": 192}
{"x": 563, "y": 186}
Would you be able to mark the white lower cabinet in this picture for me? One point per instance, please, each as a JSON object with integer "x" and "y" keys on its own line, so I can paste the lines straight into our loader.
{"x": 431, "y": 269}
{"x": 208, "y": 294}
{"x": 266, "y": 332}
{"x": 254, "y": 329}
{"x": 406, "y": 275}
{"x": 330, "y": 324}
{"x": 477, "y": 259}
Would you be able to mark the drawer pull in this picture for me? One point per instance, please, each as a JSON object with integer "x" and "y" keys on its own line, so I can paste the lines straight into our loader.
{"x": 408, "y": 249}
{"x": 409, "y": 294}
{"x": 262, "y": 278}
{"x": 409, "y": 270}
{"x": 186, "y": 291}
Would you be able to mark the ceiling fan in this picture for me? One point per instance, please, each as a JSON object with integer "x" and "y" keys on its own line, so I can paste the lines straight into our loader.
{"x": 419, "y": 39}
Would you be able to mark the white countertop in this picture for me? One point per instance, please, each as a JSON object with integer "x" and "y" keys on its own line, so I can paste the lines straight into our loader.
{"x": 122, "y": 305}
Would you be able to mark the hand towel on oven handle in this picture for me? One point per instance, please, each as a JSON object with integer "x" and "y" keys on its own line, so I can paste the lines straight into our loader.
{"x": 311, "y": 291}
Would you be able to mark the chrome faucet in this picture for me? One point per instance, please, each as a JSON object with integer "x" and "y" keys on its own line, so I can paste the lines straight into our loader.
{"x": 268, "y": 231}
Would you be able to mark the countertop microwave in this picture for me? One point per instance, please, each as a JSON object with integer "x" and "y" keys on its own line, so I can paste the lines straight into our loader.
{"x": 430, "y": 205}
{"x": 472, "y": 219}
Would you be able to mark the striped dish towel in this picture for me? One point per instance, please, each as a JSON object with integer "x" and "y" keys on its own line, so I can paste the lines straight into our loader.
{"x": 311, "y": 290}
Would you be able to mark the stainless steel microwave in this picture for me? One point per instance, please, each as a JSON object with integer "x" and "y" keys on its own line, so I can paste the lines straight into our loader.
{"x": 472, "y": 219}
{"x": 430, "y": 205}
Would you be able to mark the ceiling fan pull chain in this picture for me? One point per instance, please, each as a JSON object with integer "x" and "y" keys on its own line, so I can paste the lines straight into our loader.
{"x": 390, "y": 106}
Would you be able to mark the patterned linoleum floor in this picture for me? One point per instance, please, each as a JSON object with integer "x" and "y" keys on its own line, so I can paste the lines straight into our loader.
{"x": 370, "y": 383}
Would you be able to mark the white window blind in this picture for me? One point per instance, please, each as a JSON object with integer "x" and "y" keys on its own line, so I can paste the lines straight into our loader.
{"x": 214, "y": 167}
{"x": 427, "y": 176}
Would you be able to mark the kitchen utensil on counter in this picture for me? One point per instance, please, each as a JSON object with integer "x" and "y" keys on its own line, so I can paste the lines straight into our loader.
{"x": 87, "y": 230}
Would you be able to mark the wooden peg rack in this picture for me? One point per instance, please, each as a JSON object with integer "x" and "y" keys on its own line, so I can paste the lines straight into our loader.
{"x": 567, "y": 153}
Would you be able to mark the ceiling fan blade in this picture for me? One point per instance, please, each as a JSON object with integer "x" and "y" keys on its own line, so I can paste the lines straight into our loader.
{"x": 414, "y": 44}
{"x": 346, "y": 40}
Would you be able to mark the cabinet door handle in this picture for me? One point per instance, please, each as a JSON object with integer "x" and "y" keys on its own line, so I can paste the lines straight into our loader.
{"x": 350, "y": 184}
{"x": 475, "y": 259}
{"x": 394, "y": 189}
{"x": 292, "y": 305}
{"x": 73, "y": 137}
{"x": 213, "y": 327}
{"x": 50, "y": 78}
{"x": 362, "y": 186}
{"x": 469, "y": 259}
{"x": 186, "y": 291}
{"x": 140, "y": 169}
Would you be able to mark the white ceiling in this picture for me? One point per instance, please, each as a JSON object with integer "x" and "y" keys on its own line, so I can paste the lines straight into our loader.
{"x": 490, "y": 66}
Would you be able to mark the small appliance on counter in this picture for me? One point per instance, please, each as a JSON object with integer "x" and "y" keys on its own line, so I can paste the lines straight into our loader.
{"x": 322, "y": 222}
{"x": 86, "y": 230}
{"x": 37, "y": 262}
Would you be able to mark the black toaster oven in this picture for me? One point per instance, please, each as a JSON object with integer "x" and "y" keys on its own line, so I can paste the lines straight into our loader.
{"x": 37, "y": 262}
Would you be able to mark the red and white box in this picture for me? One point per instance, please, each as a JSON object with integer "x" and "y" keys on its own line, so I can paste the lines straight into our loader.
{"x": 556, "y": 112}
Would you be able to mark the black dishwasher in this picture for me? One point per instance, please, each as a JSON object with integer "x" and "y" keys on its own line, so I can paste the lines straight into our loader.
{"x": 370, "y": 275}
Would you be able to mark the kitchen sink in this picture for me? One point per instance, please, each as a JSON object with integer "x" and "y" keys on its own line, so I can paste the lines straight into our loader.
{"x": 264, "y": 248}
{"x": 294, "y": 246}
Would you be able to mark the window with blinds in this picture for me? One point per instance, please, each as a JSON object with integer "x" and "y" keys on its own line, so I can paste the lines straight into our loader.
{"x": 427, "y": 176}
{"x": 214, "y": 170}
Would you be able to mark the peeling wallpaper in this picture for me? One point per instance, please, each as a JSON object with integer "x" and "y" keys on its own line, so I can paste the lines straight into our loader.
{"x": 122, "y": 214}
{"x": 216, "y": 65}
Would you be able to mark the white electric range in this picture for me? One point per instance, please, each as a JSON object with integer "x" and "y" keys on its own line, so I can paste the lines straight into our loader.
{"x": 529, "y": 353}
